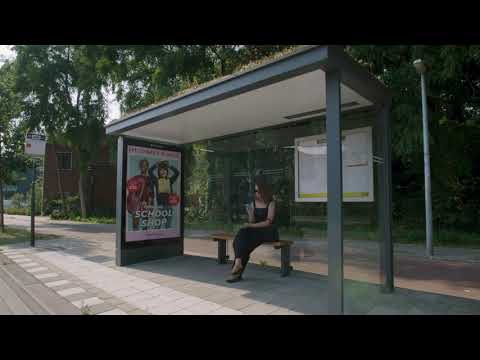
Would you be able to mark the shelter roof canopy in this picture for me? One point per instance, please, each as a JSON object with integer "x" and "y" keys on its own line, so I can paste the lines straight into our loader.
{"x": 287, "y": 89}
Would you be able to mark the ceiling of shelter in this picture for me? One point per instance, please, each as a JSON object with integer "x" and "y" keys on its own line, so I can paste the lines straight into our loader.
{"x": 294, "y": 99}
{"x": 282, "y": 137}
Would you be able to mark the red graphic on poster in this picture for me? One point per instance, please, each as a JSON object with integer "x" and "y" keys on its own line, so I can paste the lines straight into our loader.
{"x": 173, "y": 199}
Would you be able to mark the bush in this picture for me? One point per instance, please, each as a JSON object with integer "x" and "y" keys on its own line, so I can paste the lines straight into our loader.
{"x": 16, "y": 211}
{"x": 54, "y": 208}
{"x": 21, "y": 204}
{"x": 196, "y": 214}
{"x": 53, "y": 205}
{"x": 19, "y": 201}
{"x": 58, "y": 215}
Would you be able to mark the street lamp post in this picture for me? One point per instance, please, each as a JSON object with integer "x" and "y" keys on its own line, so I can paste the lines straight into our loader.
{"x": 421, "y": 69}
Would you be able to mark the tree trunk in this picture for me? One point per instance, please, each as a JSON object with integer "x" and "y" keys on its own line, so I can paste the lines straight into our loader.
{"x": 59, "y": 180}
{"x": 81, "y": 193}
{"x": 2, "y": 226}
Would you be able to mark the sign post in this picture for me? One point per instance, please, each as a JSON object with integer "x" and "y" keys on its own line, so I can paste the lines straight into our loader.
{"x": 34, "y": 146}
{"x": 32, "y": 213}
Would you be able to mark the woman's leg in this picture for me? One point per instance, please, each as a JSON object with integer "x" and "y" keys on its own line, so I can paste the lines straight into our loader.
{"x": 245, "y": 243}
{"x": 255, "y": 241}
{"x": 239, "y": 245}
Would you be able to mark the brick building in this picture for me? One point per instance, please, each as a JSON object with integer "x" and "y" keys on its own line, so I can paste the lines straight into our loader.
{"x": 61, "y": 166}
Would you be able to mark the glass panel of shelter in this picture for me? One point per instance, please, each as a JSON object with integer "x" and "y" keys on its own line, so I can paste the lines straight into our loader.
{"x": 231, "y": 164}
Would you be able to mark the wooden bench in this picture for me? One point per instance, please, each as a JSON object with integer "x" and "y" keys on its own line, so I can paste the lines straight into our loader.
{"x": 283, "y": 245}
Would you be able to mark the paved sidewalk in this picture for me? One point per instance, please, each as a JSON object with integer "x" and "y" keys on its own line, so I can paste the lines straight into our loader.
{"x": 191, "y": 285}
{"x": 22, "y": 293}
{"x": 91, "y": 248}
{"x": 98, "y": 289}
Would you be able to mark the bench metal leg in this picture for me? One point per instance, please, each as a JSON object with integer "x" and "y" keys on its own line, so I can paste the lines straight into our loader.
{"x": 222, "y": 251}
{"x": 285, "y": 257}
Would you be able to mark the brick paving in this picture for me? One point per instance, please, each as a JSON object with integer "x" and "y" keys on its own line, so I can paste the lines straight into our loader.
{"x": 196, "y": 284}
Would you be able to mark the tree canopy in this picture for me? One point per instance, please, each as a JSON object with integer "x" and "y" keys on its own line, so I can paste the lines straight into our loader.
{"x": 11, "y": 136}
{"x": 145, "y": 74}
{"x": 62, "y": 89}
{"x": 453, "y": 87}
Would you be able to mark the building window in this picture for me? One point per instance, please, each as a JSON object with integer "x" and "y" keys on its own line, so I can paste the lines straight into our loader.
{"x": 64, "y": 160}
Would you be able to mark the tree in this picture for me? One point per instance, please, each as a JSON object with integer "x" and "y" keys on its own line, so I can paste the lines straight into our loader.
{"x": 12, "y": 159}
{"x": 453, "y": 82}
{"x": 63, "y": 89}
{"x": 145, "y": 74}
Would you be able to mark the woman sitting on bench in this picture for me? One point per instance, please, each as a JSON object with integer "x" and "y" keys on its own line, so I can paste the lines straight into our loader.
{"x": 258, "y": 230}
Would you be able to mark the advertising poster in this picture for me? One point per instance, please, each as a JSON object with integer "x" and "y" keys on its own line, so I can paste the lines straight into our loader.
{"x": 153, "y": 189}
{"x": 357, "y": 167}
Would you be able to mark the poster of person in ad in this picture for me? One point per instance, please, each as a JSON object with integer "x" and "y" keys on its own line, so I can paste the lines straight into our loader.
{"x": 152, "y": 193}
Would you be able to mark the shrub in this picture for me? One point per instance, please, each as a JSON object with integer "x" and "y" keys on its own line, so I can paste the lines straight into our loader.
{"x": 54, "y": 208}
{"x": 21, "y": 204}
{"x": 196, "y": 214}
{"x": 58, "y": 215}
{"x": 53, "y": 205}
{"x": 16, "y": 211}
{"x": 19, "y": 201}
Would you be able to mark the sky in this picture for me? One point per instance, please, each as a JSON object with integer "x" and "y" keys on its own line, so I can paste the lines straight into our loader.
{"x": 6, "y": 53}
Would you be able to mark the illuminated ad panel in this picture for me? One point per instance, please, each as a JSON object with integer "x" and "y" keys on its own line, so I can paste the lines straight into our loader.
{"x": 153, "y": 194}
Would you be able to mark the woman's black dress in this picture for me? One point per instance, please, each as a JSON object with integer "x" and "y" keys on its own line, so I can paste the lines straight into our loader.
{"x": 248, "y": 239}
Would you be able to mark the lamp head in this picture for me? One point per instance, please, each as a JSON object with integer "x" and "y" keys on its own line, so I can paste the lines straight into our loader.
{"x": 420, "y": 66}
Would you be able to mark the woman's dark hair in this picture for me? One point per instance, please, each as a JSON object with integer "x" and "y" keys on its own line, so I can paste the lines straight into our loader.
{"x": 163, "y": 165}
{"x": 143, "y": 161}
{"x": 263, "y": 188}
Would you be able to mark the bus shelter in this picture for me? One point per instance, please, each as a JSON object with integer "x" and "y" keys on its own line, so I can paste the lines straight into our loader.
{"x": 311, "y": 81}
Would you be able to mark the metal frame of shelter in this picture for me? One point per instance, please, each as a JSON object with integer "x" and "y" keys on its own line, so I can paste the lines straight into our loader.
{"x": 339, "y": 69}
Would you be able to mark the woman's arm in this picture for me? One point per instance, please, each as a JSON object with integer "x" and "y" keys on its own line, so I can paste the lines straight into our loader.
{"x": 151, "y": 171}
{"x": 270, "y": 217}
{"x": 251, "y": 215}
{"x": 174, "y": 177}
{"x": 153, "y": 180}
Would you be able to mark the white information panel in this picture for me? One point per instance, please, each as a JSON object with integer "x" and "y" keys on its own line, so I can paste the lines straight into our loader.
{"x": 357, "y": 167}
{"x": 35, "y": 144}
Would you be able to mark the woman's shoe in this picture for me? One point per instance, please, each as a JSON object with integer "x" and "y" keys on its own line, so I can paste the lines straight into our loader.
{"x": 239, "y": 271}
{"x": 235, "y": 278}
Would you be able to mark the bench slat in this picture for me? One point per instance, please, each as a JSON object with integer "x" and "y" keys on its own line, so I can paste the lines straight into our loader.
{"x": 276, "y": 244}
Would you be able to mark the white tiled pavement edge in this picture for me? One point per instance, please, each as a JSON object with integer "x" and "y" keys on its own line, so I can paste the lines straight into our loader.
{"x": 143, "y": 294}
{"x": 39, "y": 273}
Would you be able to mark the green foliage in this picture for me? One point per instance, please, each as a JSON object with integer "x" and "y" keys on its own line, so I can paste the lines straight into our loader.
{"x": 12, "y": 159}
{"x": 72, "y": 212}
{"x": 96, "y": 220}
{"x": 63, "y": 91}
{"x": 58, "y": 215}
{"x": 16, "y": 211}
{"x": 13, "y": 235}
{"x": 196, "y": 184}
{"x": 19, "y": 201}
{"x": 453, "y": 83}
{"x": 54, "y": 208}
{"x": 22, "y": 203}
{"x": 145, "y": 74}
